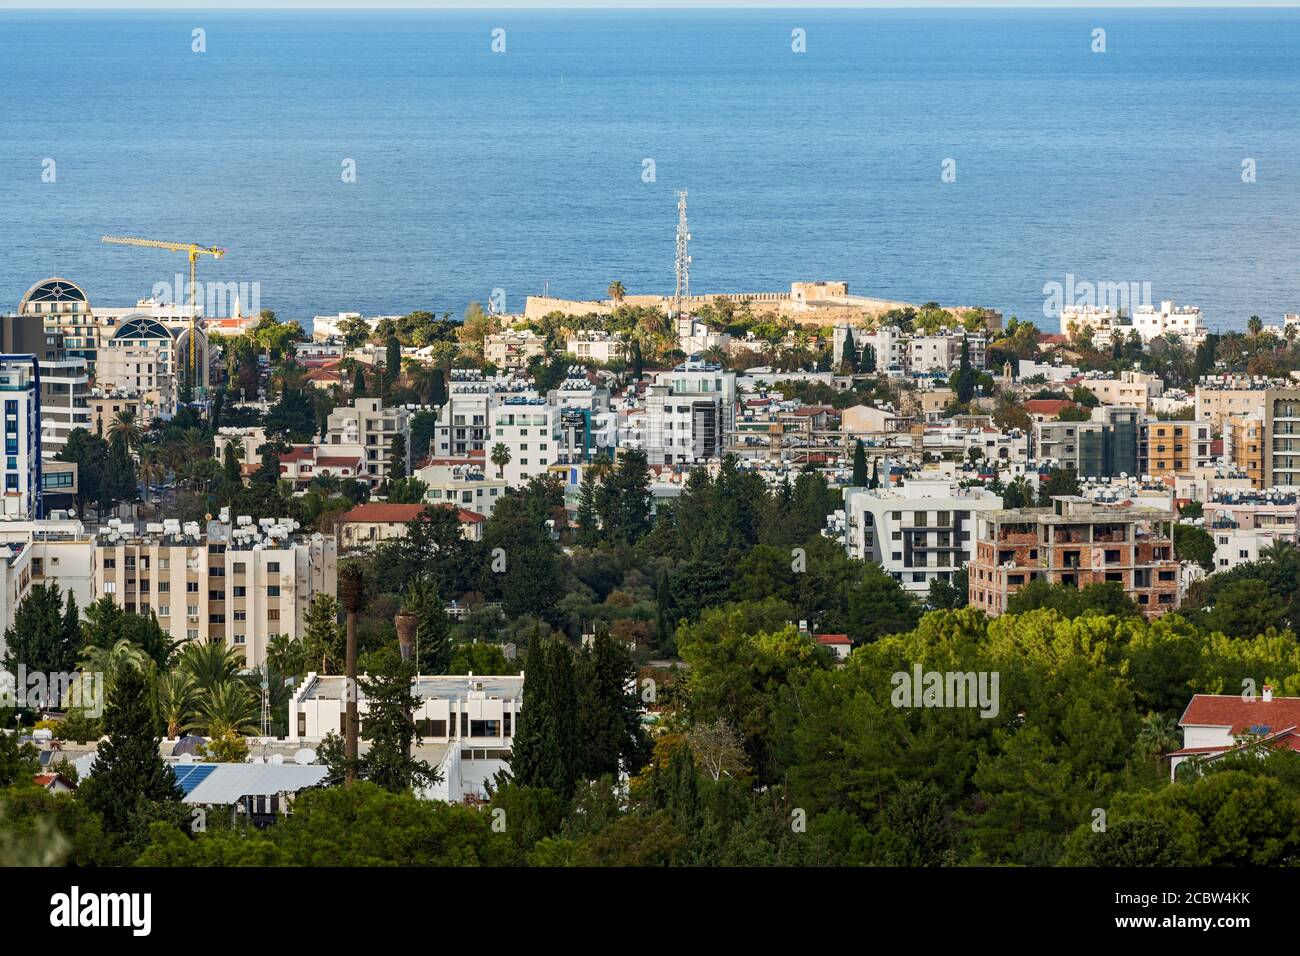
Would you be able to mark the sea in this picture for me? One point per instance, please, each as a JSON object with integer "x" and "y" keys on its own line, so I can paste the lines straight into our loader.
{"x": 384, "y": 162}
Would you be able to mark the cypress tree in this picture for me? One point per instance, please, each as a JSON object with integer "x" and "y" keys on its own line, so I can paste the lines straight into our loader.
{"x": 667, "y": 636}
{"x": 562, "y": 765}
{"x": 530, "y": 734}
{"x": 588, "y": 532}
{"x": 128, "y": 773}
{"x": 859, "y": 465}
{"x": 609, "y": 711}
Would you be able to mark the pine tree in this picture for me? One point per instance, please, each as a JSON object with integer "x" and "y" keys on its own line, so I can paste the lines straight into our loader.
{"x": 434, "y": 630}
{"x": 41, "y": 637}
{"x": 562, "y": 765}
{"x": 129, "y": 774}
{"x": 390, "y": 726}
{"x": 860, "y": 465}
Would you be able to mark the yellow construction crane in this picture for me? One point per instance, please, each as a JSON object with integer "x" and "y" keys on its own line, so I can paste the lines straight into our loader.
{"x": 194, "y": 251}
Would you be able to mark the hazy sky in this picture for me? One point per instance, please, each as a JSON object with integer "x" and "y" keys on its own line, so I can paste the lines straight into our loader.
{"x": 608, "y": 4}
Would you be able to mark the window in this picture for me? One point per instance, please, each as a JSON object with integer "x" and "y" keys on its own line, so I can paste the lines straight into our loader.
{"x": 164, "y": 610}
{"x": 273, "y": 614}
{"x": 110, "y": 587}
{"x": 192, "y": 587}
{"x": 164, "y": 587}
{"x": 273, "y": 567}
{"x": 273, "y": 590}
{"x": 192, "y": 610}
{"x": 240, "y": 590}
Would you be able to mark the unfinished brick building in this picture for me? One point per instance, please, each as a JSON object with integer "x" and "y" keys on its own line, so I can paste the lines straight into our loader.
{"x": 1076, "y": 542}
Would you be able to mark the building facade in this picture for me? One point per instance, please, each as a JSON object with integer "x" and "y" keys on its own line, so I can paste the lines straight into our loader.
{"x": 1076, "y": 542}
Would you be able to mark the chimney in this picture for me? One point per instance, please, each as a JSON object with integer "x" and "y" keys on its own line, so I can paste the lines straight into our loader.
{"x": 1268, "y": 693}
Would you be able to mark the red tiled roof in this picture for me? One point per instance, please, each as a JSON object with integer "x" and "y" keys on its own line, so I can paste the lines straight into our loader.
{"x": 833, "y": 639}
{"x": 298, "y": 453}
{"x": 385, "y": 513}
{"x": 339, "y": 460}
{"x": 324, "y": 375}
{"x": 1047, "y": 406}
{"x": 1053, "y": 338}
{"x": 1229, "y": 710}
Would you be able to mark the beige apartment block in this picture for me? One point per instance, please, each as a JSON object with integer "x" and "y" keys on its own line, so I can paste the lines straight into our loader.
{"x": 238, "y": 585}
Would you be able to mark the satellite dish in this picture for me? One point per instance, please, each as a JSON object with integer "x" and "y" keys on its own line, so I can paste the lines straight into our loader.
{"x": 185, "y": 758}
{"x": 305, "y": 757}
{"x": 276, "y": 759}
{"x": 256, "y": 760}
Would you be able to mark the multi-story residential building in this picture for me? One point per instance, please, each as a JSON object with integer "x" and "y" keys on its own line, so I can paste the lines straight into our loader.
{"x": 889, "y": 346}
{"x": 23, "y": 491}
{"x": 587, "y": 424}
{"x": 141, "y": 356}
{"x": 529, "y": 428}
{"x": 367, "y": 423}
{"x": 64, "y": 383}
{"x": 463, "y": 420}
{"x": 1104, "y": 447}
{"x": 1245, "y": 523}
{"x": 1282, "y": 438}
{"x": 1173, "y": 448}
{"x": 248, "y": 442}
{"x": 695, "y": 337}
{"x": 239, "y": 583}
{"x": 1103, "y": 322}
{"x": 512, "y": 349}
{"x": 1218, "y": 398}
{"x": 469, "y": 721}
{"x": 1076, "y": 542}
{"x": 1184, "y": 321}
{"x": 64, "y": 310}
{"x": 941, "y": 352}
{"x": 1134, "y": 389}
{"x": 1244, "y": 445}
{"x": 596, "y": 346}
{"x": 917, "y": 531}
{"x": 108, "y": 405}
{"x": 327, "y": 327}
{"x": 51, "y": 551}
{"x": 468, "y": 485}
{"x": 689, "y": 413}
{"x": 301, "y": 464}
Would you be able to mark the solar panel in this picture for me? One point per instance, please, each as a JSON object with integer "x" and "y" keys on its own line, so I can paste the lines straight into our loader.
{"x": 190, "y": 776}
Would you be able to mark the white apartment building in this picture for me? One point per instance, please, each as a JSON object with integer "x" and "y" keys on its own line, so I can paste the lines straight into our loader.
{"x": 240, "y": 583}
{"x": 595, "y": 346}
{"x": 1185, "y": 321}
{"x": 141, "y": 357}
{"x": 529, "y": 427}
{"x": 463, "y": 420}
{"x": 367, "y": 423}
{"x": 942, "y": 352}
{"x": 326, "y": 327}
{"x": 470, "y": 722}
{"x": 689, "y": 412}
{"x": 918, "y": 530}
{"x": 695, "y": 337}
{"x": 472, "y": 486}
{"x": 249, "y": 439}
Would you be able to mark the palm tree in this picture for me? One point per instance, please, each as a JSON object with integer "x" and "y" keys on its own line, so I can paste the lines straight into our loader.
{"x": 1157, "y": 735}
{"x": 229, "y": 708}
{"x": 209, "y": 663}
{"x": 285, "y": 655}
{"x": 616, "y": 292}
{"x": 500, "y": 458}
{"x": 125, "y": 428}
{"x": 149, "y": 463}
{"x": 717, "y": 355}
{"x": 197, "y": 444}
{"x": 111, "y": 662}
{"x": 175, "y": 691}
{"x": 1254, "y": 325}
